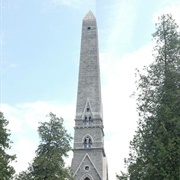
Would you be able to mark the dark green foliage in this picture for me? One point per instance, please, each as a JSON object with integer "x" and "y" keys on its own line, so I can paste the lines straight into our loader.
{"x": 155, "y": 149}
{"x": 24, "y": 175}
{"x": 54, "y": 145}
{"x": 6, "y": 170}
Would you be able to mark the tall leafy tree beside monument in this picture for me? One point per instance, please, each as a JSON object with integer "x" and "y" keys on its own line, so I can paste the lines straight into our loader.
{"x": 155, "y": 148}
{"x": 6, "y": 170}
{"x": 54, "y": 145}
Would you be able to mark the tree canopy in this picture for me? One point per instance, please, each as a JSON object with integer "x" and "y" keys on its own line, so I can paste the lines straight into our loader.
{"x": 54, "y": 146}
{"x": 6, "y": 170}
{"x": 155, "y": 148}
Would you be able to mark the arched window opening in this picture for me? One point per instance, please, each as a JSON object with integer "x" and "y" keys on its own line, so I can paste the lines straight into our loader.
{"x": 87, "y": 120}
{"x": 87, "y": 142}
{"x": 86, "y": 178}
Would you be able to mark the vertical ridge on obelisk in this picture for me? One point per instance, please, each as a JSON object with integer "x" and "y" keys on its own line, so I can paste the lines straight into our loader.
{"x": 89, "y": 158}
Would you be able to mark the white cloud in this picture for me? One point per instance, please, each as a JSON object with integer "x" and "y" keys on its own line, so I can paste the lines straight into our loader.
{"x": 120, "y": 116}
{"x": 24, "y": 149}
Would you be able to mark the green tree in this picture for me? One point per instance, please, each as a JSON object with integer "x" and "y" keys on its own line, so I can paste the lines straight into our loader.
{"x": 155, "y": 148}
{"x": 54, "y": 145}
{"x": 6, "y": 170}
{"x": 25, "y": 175}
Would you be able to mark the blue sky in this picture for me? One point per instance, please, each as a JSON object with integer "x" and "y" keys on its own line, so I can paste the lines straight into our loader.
{"x": 40, "y": 48}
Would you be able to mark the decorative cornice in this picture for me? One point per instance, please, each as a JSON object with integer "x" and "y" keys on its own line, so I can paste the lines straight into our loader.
{"x": 88, "y": 126}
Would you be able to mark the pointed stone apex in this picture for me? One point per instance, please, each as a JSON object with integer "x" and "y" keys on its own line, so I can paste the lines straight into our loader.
{"x": 89, "y": 16}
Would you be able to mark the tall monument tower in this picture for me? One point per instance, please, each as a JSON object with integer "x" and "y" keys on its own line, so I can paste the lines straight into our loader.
{"x": 89, "y": 158}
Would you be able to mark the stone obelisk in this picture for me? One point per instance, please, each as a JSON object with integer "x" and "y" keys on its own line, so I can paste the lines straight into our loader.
{"x": 89, "y": 158}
